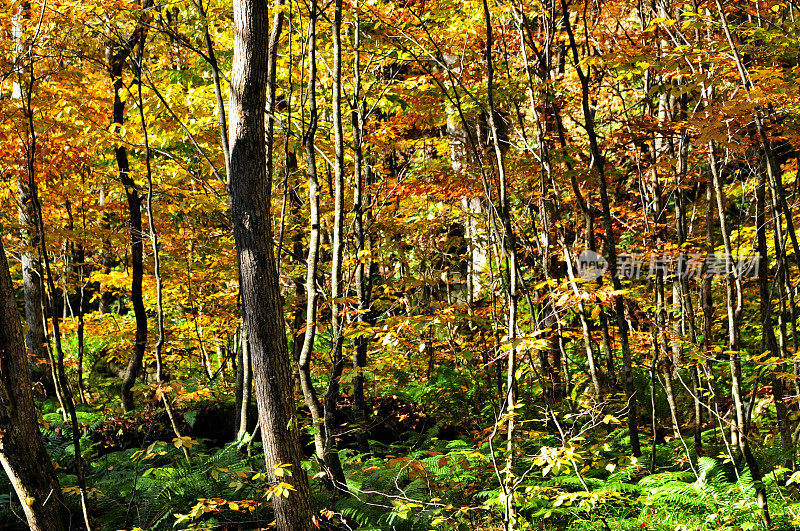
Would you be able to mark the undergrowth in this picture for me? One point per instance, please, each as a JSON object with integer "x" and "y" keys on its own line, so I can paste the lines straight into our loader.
{"x": 420, "y": 482}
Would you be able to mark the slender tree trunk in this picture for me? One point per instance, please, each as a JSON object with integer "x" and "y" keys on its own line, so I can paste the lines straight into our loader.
{"x": 156, "y": 260}
{"x": 767, "y": 338}
{"x": 119, "y": 54}
{"x": 106, "y": 255}
{"x": 667, "y": 361}
{"x": 542, "y": 121}
{"x": 509, "y": 249}
{"x": 79, "y": 257}
{"x": 31, "y": 267}
{"x": 309, "y": 335}
{"x": 364, "y": 265}
{"x": 771, "y": 174}
{"x": 707, "y": 298}
{"x": 331, "y": 398}
{"x": 594, "y": 372}
{"x": 212, "y": 61}
{"x": 653, "y": 412}
{"x": 250, "y": 192}
{"x": 244, "y": 382}
{"x": 619, "y": 305}
{"x": 152, "y": 226}
{"x": 588, "y": 212}
{"x": 780, "y": 349}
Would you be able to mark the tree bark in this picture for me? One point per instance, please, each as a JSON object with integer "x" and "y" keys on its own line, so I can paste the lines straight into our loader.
{"x": 331, "y": 398}
{"x": 364, "y": 264}
{"x": 250, "y": 193}
{"x": 306, "y": 351}
{"x": 22, "y": 452}
{"x": 31, "y": 268}
{"x": 119, "y": 54}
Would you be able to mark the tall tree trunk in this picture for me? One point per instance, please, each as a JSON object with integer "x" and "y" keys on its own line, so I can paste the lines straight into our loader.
{"x": 22, "y": 452}
{"x": 331, "y": 398}
{"x": 309, "y": 335}
{"x": 160, "y": 341}
{"x": 250, "y": 193}
{"x": 619, "y": 305}
{"x": 215, "y": 72}
{"x": 784, "y": 289}
{"x": 119, "y": 54}
{"x": 364, "y": 260}
{"x": 707, "y": 304}
{"x": 31, "y": 267}
{"x": 767, "y": 338}
{"x": 510, "y": 251}
{"x": 771, "y": 174}
{"x": 78, "y": 256}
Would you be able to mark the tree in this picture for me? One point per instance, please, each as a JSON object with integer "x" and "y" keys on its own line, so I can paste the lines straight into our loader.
{"x": 619, "y": 303}
{"x": 22, "y": 452}
{"x": 250, "y": 192}
{"x": 308, "y": 336}
{"x": 31, "y": 267}
{"x": 433, "y": 239}
{"x": 118, "y": 54}
{"x": 337, "y": 315}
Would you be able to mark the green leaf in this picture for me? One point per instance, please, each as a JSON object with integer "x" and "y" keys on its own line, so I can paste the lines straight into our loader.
{"x": 191, "y": 417}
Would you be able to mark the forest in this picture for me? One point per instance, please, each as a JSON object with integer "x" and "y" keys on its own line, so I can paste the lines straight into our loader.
{"x": 399, "y": 265}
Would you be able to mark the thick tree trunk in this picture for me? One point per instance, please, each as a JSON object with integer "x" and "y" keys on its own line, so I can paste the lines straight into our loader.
{"x": 22, "y": 453}
{"x": 250, "y": 192}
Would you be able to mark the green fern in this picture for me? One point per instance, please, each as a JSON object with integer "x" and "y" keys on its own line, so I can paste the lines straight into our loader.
{"x": 147, "y": 494}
